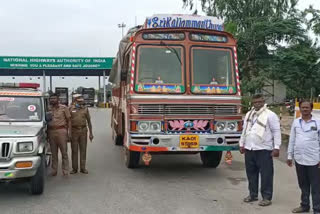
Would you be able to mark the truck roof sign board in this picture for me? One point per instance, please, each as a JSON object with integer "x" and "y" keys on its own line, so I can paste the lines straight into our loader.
{"x": 13, "y": 62}
{"x": 184, "y": 21}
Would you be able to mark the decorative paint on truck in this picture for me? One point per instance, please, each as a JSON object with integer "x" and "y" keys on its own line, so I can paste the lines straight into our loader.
{"x": 176, "y": 90}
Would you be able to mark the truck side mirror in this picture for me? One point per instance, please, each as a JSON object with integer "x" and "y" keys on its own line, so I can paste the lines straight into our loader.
{"x": 48, "y": 116}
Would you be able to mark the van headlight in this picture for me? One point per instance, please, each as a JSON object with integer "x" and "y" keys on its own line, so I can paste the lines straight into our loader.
{"x": 149, "y": 126}
{"x": 25, "y": 146}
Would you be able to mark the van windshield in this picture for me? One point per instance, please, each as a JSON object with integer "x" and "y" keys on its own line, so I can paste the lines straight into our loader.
{"x": 20, "y": 109}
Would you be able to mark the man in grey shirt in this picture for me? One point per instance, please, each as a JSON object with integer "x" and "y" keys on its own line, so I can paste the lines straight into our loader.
{"x": 304, "y": 149}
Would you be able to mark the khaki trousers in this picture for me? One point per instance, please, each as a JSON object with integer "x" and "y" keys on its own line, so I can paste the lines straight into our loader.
{"x": 58, "y": 140}
{"x": 79, "y": 142}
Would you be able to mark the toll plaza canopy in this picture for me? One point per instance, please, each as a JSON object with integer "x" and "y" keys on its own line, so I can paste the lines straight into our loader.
{"x": 55, "y": 66}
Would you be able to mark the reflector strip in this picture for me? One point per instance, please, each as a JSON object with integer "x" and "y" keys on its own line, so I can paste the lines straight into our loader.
{"x": 8, "y": 93}
{"x": 237, "y": 71}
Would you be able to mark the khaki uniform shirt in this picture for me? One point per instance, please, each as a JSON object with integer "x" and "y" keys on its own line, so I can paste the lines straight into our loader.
{"x": 60, "y": 116}
{"x": 79, "y": 116}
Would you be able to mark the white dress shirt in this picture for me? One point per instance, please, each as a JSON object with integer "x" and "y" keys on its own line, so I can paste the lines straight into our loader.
{"x": 271, "y": 138}
{"x": 304, "y": 142}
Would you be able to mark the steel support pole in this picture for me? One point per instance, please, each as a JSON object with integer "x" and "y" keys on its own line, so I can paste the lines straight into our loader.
{"x": 44, "y": 81}
{"x": 104, "y": 89}
{"x": 50, "y": 83}
{"x": 99, "y": 83}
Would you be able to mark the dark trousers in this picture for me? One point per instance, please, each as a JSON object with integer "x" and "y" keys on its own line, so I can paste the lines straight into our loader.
{"x": 309, "y": 179}
{"x": 260, "y": 162}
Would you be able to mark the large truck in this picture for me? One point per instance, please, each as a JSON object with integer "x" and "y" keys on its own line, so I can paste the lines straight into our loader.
{"x": 176, "y": 90}
{"x": 63, "y": 95}
{"x": 24, "y": 150}
{"x": 88, "y": 95}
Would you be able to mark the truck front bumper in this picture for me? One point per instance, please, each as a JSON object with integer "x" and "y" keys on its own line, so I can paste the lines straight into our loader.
{"x": 167, "y": 143}
{"x": 8, "y": 170}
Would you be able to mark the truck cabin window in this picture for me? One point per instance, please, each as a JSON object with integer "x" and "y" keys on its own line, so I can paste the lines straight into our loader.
{"x": 160, "y": 65}
{"x": 212, "y": 67}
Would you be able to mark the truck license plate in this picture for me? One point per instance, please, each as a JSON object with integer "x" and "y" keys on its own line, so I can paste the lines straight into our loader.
{"x": 189, "y": 141}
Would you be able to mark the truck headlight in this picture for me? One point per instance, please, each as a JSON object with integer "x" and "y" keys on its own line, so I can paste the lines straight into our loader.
{"x": 226, "y": 126}
{"x": 232, "y": 126}
{"x": 221, "y": 126}
{"x": 25, "y": 146}
{"x": 143, "y": 126}
{"x": 155, "y": 126}
{"x": 149, "y": 126}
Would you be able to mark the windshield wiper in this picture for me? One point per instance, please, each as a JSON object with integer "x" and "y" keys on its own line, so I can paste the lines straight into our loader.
{"x": 171, "y": 49}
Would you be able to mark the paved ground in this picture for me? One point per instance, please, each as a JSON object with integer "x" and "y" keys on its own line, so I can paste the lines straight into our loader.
{"x": 172, "y": 184}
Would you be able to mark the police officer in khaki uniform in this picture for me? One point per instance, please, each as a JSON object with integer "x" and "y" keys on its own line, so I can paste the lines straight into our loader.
{"x": 80, "y": 122}
{"x": 59, "y": 131}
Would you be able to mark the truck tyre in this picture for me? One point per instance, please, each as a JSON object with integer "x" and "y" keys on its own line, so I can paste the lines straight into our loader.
{"x": 132, "y": 158}
{"x": 119, "y": 140}
{"x": 211, "y": 159}
{"x": 37, "y": 181}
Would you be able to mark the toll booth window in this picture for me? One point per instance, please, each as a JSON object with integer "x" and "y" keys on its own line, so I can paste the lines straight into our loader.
{"x": 212, "y": 71}
{"x": 20, "y": 109}
{"x": 163, "y": 36}
{"x": 160, "y": 69}
{"x": 208, "y": 37}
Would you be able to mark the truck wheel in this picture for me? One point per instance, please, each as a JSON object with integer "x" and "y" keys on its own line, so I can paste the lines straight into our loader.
{"x": 119, "y": 140}
{"x": 132, "y": 158}
{"x": 211, "y": 159}
{"x": 37, "y": 181}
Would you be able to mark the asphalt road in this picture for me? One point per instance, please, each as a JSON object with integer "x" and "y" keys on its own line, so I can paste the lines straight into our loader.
{"x": 172, "y": 184}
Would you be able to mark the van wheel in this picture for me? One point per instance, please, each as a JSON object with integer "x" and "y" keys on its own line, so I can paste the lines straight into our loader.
{"x": 37, "y": 181}
{"x": 48, "y": 156}
{"x": 211, "y": 159}
{"x": 119, "y": 140}
{"x": 132, "y": 158}
{"x": 48, "y": 160}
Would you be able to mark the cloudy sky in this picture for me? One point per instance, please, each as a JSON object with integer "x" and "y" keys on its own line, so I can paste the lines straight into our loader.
{"x": 87, "y": 28}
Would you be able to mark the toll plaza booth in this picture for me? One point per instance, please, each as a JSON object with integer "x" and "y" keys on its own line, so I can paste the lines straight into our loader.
{"x": 47, "y": 67}
{"x": 63, "y": 94}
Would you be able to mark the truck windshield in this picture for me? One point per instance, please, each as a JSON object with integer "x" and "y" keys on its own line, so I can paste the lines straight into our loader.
{"x": 212, "y": 71}
{"x": 20, "y": 109}
{"x": 160, "y": 69}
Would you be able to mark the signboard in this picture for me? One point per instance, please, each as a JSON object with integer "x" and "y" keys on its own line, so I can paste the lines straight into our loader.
{"x": 184, "y": 21}
{"x": 12, "y": 62}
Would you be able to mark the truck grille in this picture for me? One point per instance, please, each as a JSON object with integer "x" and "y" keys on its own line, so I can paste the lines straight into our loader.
{"x": 187, "y": 109}
{"x": 5, "y": 148}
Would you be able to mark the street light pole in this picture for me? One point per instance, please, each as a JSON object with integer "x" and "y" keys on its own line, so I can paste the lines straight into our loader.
{"x": 122, "y": 26}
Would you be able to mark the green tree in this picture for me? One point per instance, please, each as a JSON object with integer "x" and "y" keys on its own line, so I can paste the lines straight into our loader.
{"x": 298, "y": 67}
{"x": 314, "y": 22}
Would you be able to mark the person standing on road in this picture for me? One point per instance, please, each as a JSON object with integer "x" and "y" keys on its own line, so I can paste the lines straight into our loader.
{"x": 260, "y": 142}
{"x": 304, "y": 149}
{"x": 80, "y": 121}
{"x": 59, "y": 131}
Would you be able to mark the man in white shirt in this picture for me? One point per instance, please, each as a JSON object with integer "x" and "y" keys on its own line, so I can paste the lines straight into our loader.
{"x": 260, "y": 142}
{"x": 304, "y": 149}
